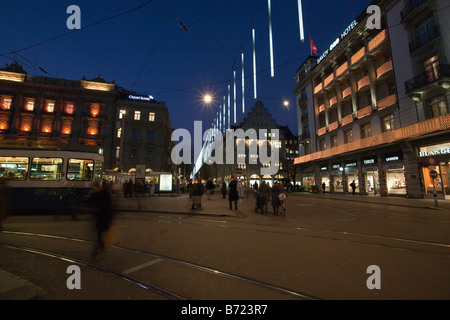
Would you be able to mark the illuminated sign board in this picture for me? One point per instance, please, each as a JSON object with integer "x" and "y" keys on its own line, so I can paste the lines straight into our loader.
{"x": 140, "y": 98}
{"x": 338, "y": 40}
{"x": 165, "y": 182}
{"x": 434, "y": 150}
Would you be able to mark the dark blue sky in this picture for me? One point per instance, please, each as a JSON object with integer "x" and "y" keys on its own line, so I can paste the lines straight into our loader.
{"x": 147, "y": 51}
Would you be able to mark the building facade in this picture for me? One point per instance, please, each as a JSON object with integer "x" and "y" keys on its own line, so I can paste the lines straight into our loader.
{"x": 76, "y": 115}
{"x": 358, "y": 114}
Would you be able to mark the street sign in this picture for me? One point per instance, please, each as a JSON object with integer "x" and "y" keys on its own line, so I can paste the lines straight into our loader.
{"x": 432, "y": 161}
{"x": 433, "y": 174}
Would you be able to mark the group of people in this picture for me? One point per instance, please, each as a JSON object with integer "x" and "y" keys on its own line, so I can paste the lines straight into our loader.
{"x": 264, "y": 193}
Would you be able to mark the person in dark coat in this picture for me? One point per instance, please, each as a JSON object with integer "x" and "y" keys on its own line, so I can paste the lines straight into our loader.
{"x": 276, "y": 191}
{"x": 224, "y": 190}
{"x": 233, "y": 195}
{"x": 100, "y": 201}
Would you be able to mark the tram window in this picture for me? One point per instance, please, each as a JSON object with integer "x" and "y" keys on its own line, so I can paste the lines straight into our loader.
{"x": 80, "y": 169}
{"x": 15, "y": 168}
{"x": 46, "y": 169}
{"x": 98, "y": 170}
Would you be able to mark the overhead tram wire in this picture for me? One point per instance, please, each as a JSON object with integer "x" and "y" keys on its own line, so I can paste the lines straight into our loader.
{"x": 78, "y": 30}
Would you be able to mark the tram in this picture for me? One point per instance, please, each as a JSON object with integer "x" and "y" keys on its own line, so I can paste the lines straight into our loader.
{"x": 40, "y": 181}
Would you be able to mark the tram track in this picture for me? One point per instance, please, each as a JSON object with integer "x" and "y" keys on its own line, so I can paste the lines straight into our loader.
{"x": 277, "y": 291}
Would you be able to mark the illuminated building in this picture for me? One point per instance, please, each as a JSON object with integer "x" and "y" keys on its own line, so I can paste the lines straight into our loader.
{"x": 375, "y": 104}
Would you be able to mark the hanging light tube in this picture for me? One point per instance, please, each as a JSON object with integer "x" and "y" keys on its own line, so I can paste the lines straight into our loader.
{"x": 272, "y": 69}
{"x": 243, "y": 86}
{"x": 234, "y": 76}
{"x": 255, "y": 95}
{"x": 300, "y": 20}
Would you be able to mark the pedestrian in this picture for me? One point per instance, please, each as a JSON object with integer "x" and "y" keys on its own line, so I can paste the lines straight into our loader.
{"x": 263, "y": 195}
{"x": 353, "y": 185}
{"x": 224, "y": 190}
{"x": 209, "y": 188}
{"x": 130, "y": 188}
{"x": 276, "y": 191}
{"x": 323, "y": 187}
{"x": 4, "y": 201}
{"x": 255, "y": 189}
{"x": 197, "y": 192}
{"x": 100, "y": 201}
{"x": 233, "y": 193}
{"x": 189, "y": 187}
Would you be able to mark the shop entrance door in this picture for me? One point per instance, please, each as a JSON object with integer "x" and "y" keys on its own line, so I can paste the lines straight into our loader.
{"x": 441, "y": 183}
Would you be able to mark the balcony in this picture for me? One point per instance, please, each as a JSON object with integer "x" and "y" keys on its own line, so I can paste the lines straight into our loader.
{"x": 358, "y": 55}
{"x": 411, "y": 6}
{"x": 364, "y": 112}
{"x": 328, "y": 80}
{"x": 387, "y": 102}
{"x": 321, "y": 108}
{"x": 318, "y": 88}
{"x": 379, "y": 38}
{"x": 423, "y": 39}
{"x": 413, "y": 131}
{"x": 347, "y": 92}
{"x": 347, "y": 119}
{"x": 427, "y": 78}
{"x": 333, "y": 126}
{"x": 341, "y": 69}
{"x": 322, "y": 131}
{"x": 384, "y": 69}
{"x": 302, "y": 99}
{"x": 363, "y": 82}
{"x": 333, "y": 101}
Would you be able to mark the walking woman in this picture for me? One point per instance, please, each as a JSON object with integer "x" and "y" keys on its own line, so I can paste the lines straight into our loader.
{"x": 234, "y": 195}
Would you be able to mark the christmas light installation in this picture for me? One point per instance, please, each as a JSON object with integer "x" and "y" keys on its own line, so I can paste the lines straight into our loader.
{"x": 300, "y": 20}
{"x": 272, "y": 69}
{"x": 255, "y": 95}
{"x": 243, "y": 86}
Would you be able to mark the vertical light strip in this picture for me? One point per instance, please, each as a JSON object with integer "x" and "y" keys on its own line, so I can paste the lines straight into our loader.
{"x": 220, "y": 122}
{"x": 272, "y": 69}
{"x": 224, "y": 114}
{"x": 255, "y": 95}
{"x": 234, "y": 75}
{"x": 243, "y": 85}
{"x": 229, "y": 107}
{"x": 300, "y": 20}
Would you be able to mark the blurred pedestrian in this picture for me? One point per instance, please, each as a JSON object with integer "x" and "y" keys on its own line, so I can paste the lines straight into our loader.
{"x": 233, "y": 194}
{"x": 353, "y": 185}
{"x": 323, "y": 187}
{"x": 209, "y": 188}
{"x": 276, "y": 191}
{"x": 100, "y": 201}
{"x": 224, "y": 190}
{"x": 4, "y": 201}
{"x": 197, "y": 193}
{"x": 263, "y": 195}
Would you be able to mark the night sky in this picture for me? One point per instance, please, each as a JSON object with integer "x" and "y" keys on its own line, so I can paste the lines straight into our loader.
{"x": 147, "y": 51}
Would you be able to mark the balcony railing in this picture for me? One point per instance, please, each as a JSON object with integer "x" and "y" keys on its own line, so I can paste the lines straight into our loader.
{"x": 363, "y": 82}
{"x": 341, "y": 69}
{"x": 333, "y": 126}
{"x": 379, "y": 38}
{"x": 441, "y": 123}
{"x": 321, "y": 108}
{"x": 357, "y": 56}
{"x": 428, "y": 77}
{"x": 318, "y": 88}
{"x": 423, "y": 39}
{"x": 364, "y": 112}
{"x": 387, "y": 102}
{"x": 346, "y": 92}
{"x": 333, "y": 101}
{"x": 322, "y": 131}
{"x": 384, "y": 68}
{"x": 347, "y": 119}
{"x": 328, "y": 79}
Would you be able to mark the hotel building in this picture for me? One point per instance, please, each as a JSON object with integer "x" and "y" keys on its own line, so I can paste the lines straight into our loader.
{"x": 374, "y": 106}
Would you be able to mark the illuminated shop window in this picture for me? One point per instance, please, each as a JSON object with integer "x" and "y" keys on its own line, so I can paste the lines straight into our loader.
{"x": 69, "y": 107}
{"x": 29, "y": 104}
{"x": 5, "y": 102}
{"x": 49, "y": 106}
{"x": 46, "y": 168}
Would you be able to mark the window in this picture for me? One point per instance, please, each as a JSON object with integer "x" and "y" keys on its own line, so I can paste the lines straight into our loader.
{"x": 69, "y": 107}
{"x": 334, "y": 141}
{"x": 137, "y": 115}
{"x": 5, "y": 102}
{"x": 98, "y": 170}
{"x": 119, "y": 133}
{"x": 46, "y": 168}
{"x": 121, "y": 114}
{"x": 135, "y": 134}
{"x": 49, "y": 106}
{"x": 14, "y": 168}
{"x": 348, "y": 136}
{"x": 322, "y": 144}
{"x": 80, "y": 170}
{"x": 151, "y": 116}
{"x": 426, "y": 31}
{"x": 437, "y": 106}
{"x": 149, "y": 153}
{"x": 150, "y": 135}
{"x": 117, "y": 152}
{"x": 366, "y": 130}
{"x": 431, "y": 67}
{"x": 388, "y": 123}
{"x": 29, "y": 104}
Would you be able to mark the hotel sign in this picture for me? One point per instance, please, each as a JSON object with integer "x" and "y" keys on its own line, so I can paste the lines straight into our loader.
{"x": 140, "y": 98}
{"x": 434, "y": 150}
{"x": 338, "y": 40}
